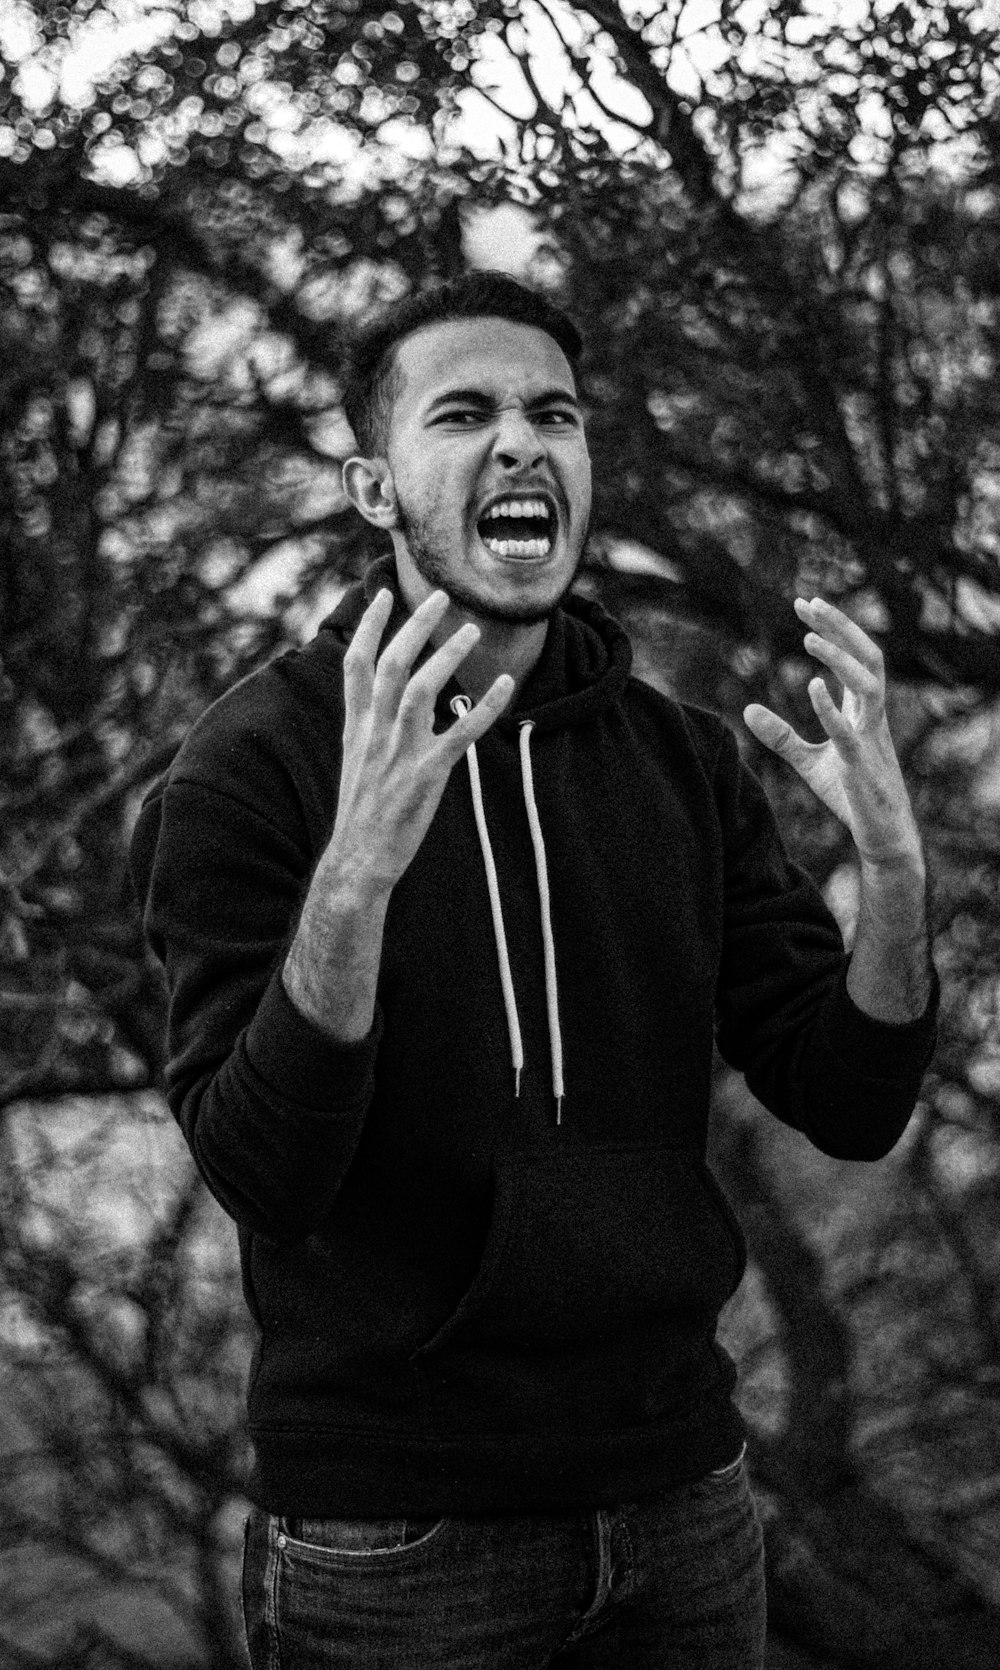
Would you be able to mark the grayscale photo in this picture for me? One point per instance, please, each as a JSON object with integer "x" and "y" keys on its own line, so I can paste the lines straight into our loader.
{"x": 499, "y": 835}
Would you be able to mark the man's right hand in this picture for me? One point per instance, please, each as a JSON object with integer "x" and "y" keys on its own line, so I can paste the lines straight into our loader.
{"x": 394, "y": 766}
{"x": 393, "y": 774}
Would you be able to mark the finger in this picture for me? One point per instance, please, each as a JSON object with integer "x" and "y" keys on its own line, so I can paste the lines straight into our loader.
{"x": 359, "y": 657}
{"x": 838, "y": 729}
{"x": 426, "y": 684}
{"x": 777, "y": 734}
{"x": 397, "y": 658}
{"x": 852, "y": 675}
{"x": 472, "y": 724}
{"x": 827, "y": 619}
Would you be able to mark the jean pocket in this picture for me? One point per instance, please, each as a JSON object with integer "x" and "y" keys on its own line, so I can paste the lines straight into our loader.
{"x": 243, "y": 1578}
{"x": 723, "y": 1475}
{"x": 355, "y": 1538}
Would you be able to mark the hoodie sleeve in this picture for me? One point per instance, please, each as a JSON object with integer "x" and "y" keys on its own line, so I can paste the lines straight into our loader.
{"x": 849, "y": 1082}
{"x": 272, "y": 1108}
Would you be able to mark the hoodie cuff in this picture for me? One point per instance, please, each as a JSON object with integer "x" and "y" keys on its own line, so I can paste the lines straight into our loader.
{"x": 877, "y": 1049}
{"x": 302, "y": 1064}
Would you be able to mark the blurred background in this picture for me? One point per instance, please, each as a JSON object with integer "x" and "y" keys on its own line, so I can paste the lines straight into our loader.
{"x": 779, "y": 227}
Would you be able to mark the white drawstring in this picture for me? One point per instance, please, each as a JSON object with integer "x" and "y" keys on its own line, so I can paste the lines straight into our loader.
{"x": 461, "y": 705}
{"x": 548, "y": 944}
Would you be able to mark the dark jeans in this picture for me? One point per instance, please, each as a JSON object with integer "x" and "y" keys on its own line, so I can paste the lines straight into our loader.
{"x": 667, "y": 1583}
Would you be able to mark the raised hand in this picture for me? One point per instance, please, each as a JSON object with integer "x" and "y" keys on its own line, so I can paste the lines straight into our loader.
{"x": 393, "y": 773}
{"x": 394, "y": 766}
{"x": 855, "y": 772}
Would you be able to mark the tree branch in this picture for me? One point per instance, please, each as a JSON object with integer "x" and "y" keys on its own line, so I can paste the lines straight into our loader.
{"x": 672, "y": 126}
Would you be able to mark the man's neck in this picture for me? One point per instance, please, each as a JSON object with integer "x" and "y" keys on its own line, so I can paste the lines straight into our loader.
{"x": 503, "y": 648}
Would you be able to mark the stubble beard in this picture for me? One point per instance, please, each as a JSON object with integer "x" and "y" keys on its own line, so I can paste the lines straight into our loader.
{"x": 431, "y": 563}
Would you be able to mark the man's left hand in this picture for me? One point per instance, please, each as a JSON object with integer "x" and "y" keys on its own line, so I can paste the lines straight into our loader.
{"x": 855, "y": 772}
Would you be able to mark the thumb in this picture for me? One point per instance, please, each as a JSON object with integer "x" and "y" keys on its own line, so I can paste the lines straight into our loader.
{"x": 773, "y": 731}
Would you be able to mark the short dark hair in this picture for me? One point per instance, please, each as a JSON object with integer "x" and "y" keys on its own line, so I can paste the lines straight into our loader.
{"x": 373, "y": 380}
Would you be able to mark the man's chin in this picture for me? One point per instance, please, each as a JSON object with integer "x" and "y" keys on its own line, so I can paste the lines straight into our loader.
{"x": 492, "y": 597}
{"x": 511, "y": 611}
{"x": 515, "y": 598}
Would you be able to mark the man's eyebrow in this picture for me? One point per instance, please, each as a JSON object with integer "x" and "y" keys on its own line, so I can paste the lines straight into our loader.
{"x": 476, "y": 397}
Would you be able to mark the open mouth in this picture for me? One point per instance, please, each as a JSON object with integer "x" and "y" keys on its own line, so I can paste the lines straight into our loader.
{"x": 518, "y": 528}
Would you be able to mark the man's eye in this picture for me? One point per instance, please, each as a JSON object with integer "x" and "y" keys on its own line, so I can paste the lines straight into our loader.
{"x": 465, "y": 416}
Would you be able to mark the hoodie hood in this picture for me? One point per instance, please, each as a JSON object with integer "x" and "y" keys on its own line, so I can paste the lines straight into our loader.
{"x": 585, "y": 661}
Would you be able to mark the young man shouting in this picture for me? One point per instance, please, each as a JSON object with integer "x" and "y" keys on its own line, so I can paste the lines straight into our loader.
{"x": 452, "y": 910}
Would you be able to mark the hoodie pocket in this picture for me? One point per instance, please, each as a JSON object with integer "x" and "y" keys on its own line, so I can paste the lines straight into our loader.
{"x": 603, "y": 1267}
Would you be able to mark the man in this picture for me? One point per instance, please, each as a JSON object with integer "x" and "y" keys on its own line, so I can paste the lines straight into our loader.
{"x": 451, "y": 908}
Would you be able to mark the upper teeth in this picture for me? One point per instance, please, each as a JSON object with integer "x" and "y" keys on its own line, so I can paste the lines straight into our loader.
{"x": 519, "y": 507}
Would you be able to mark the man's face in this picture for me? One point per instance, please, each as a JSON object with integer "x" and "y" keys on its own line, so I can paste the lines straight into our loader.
{"x": 490, "y": 466}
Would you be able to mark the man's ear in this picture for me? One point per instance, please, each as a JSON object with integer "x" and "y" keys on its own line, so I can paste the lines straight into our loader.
{"x": 369, "y": 485}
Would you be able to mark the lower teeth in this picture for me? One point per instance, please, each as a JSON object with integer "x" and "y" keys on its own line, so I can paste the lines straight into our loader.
{"x": 518, "y": 547}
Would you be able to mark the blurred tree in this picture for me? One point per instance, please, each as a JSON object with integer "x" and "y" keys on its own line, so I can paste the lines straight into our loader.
{"x": 780, "y": 232}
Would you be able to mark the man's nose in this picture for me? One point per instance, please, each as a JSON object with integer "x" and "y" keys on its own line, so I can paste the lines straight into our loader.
{"x": 517, "y": 442}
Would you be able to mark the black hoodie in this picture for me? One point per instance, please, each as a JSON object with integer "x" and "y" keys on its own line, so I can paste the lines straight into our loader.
{"x": 468, "y": 1300}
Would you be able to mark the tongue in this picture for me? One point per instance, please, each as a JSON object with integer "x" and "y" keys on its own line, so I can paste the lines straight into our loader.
{"x": 513, "y": 527}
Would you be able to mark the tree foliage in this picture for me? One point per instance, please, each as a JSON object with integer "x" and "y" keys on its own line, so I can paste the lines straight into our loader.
{"x": 780, "y": 235}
